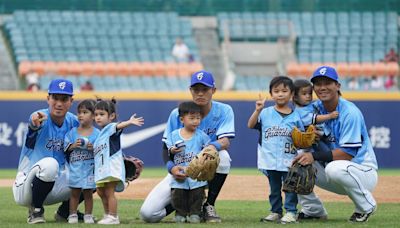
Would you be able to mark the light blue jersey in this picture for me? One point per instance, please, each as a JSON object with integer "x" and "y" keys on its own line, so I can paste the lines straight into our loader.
{"x": 349, "y": 131}
{"x": 218, "y": 123}
{"x": 309, "y": 115}
{"x": 47, "y": 141}
{"x": 108, "y": 157}
{"x": 80, "y": 160}
{"x": 193, "y": 146}
{"x": 276, "y": 151}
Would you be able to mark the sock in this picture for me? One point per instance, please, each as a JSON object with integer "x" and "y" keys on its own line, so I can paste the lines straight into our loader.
{"x": 169, "y": 209}
{"x": 214, "y": 187}
{"x": 40, "y": 190}
{"x": 63, "y": 209}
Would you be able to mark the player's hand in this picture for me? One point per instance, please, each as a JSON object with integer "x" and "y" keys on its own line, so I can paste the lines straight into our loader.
{"x": 260, "y": 102}
{"x": 139, "y": 121}
{"x": 305, "y": 158}
{"x": 334, "y": 114}
{"x": 38, "y": 118}
{"x": 178, "y": 172}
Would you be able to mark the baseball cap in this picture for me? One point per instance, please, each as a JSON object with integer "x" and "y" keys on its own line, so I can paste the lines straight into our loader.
{"x": 326, "y": 71}
{"x": 61, "y": 86}
{"x": 202, "y": 77}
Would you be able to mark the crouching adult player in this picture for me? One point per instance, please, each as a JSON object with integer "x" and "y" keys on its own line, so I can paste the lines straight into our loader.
{"x": 42, "y": 177}
{"x": 218, "y": 123}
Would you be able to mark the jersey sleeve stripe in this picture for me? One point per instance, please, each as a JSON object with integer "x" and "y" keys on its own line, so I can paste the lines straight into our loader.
{"x": 227, "y": 134}
{"x": 351, "y": 145}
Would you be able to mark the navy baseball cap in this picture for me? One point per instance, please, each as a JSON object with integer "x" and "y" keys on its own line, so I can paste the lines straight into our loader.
{"x": 202, "y": 77}
{"x": 326, "y": 71}
{"x": 61, "y": 86}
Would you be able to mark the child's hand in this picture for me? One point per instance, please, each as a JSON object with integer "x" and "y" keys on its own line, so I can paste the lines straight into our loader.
{"x": 174, "y": 150}
{"x": 78, "y": 143}
{"x": 334, "y": 114}
{"x": 38, "y": 119}
{"x": 90, "y": 146}
{"x": 260, "y": 102}
{"x": 136, "y": 121}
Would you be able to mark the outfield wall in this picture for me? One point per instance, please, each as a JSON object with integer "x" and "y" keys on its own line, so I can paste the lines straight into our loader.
{"x": 381, "y": 112}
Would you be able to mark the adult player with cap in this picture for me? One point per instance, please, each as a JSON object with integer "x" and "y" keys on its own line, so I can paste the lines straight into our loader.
{"x": 42, "y": 174}
{"x": 348, "y": 165}
{"x": 218, "y": 123}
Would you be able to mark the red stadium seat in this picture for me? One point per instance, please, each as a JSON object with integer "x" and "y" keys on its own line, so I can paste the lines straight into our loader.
{"x": 355, "y": 69}
{"x": 392, "y": 68}
{"x": 24, "y": 68}
{"x": 367, "y": 69}
{"x": 380, "y": 69}
{"x": 292, "y": 69}
{"x": 342, "y": 69}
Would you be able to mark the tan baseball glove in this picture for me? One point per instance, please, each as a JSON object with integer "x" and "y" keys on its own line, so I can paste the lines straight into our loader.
{"x": 303, "y": 140}
{"x": 204, "y": 165}
{"x": 300, "y": 179}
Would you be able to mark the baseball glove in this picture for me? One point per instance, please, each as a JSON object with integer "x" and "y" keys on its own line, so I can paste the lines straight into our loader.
{"x": 303, "y": 140}
{"x": 300, "y": 179}
{"x": 204, "y": 165}
{"x": 133, "y": 167}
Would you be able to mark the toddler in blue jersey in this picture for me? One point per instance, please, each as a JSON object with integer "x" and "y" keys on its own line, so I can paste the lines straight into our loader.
{"x": 184, "y": 144}
{"x": 275, "y": 149}
{"x": 109, "y": 169}
{"x": 302, "y": 98}
{"x": 78, "y": 144}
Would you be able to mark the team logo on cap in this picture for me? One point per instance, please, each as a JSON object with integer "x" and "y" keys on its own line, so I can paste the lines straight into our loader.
{"x": 322, "y": 71}
{"x": 199, "y": 76}
{"x": 62, "y": 85}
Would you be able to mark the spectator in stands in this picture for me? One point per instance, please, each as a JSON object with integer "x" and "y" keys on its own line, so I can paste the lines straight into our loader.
{"x": 180, "y": 51}
{"x": 392, "y": 56}
{"x": 32, "y": 80}
{"x": 390, "y": 82}
{"x": 33, "y": 87}
{"x": 376, "y": 83}
{"x": 353, "y": 84}
{"x": 87, "y": 86}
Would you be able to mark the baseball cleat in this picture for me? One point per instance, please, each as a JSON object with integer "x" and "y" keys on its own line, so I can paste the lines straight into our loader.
{"x": 273, "y": 217}
{"x": 302, "y": 216}
{"x": 361, "y": 217}
{"x": 36, "y": 215}
{"x": 209, "y": 214}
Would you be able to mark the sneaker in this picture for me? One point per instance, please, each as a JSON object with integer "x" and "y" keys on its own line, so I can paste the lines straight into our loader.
{"x": 62, "y": 217}
{"x": 73, "y": 218}
{"x": 88, "y": 219}
{"x": 210, "y": 215}
{"x": 193, "y": 219}
{"x": 302, "y": 216}
{"x": 289, "y": 217}
{"x": 109, "y": 220}
{"x": 36, "y": 215}
{"x": 273, "y": 217}
{"x": 361, "y": 217}
{"x": 179, "y": 219}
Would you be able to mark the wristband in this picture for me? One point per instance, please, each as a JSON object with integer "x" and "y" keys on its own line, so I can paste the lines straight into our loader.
{"x": 170, "y": 165}
{"x": 322, "y": 153}
{"x": 216, "y": 144}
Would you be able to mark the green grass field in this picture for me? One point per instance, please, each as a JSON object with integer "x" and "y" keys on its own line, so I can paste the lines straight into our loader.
{"x": 234, "y": 213}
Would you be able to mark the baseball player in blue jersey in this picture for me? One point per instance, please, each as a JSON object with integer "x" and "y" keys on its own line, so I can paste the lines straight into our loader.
{"x": 185, "y": 143}
{"x": 42, "y": 177}
{"x": 351, "y": 163}
{"x": 275, "y": 150}
{"x": 109, "y": 168}
{"x": 78, "y": 146}
{"x": 218, "y": 123}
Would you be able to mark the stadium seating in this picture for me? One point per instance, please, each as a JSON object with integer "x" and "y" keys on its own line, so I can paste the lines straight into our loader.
{"x": 100, "y": 43}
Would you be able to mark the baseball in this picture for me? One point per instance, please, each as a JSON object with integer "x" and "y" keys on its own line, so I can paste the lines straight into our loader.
{"x": 84, "y": 142}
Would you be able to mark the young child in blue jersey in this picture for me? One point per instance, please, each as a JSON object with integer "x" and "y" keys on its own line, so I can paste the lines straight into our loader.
{"x": 78, "y": 144}
{"x": 302, "y": 98}
{"x": 109, "y": 169}
{"x": 184, "y": 144}
{"x": 275, "y": 149}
